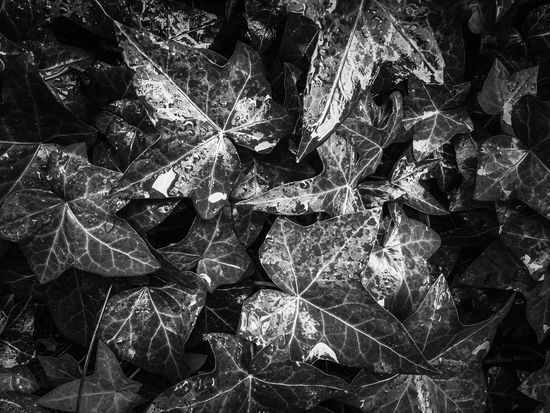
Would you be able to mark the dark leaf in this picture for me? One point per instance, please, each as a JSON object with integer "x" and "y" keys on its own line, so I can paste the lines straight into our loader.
{"x": 73, "y": 224}
{"x": 434, "y": 116}
{"x": 453, "y": 348}
{"x": 518, "y": 167}
{"x": 504, "y": 394}
{"x": 243, "y": 382}
{"x": 355, "y": 37}
{"x": 107, "y": 390}
{"x": 322, "y": 304}
{"x": 535, "y": 31}
{"x": 60, "y": 370}
{"x": 213, "y": 248}
{"x": 16, "y": 333}
{"x": 16, "y": 275}
{"x": 537, "y": 385}
{"x": 20, "y": 403}
{"x": 398, "y": 276}
{"x": 111, "y": 82}
{"x": 195, "y": 157}
{"x": 149, "y": 327}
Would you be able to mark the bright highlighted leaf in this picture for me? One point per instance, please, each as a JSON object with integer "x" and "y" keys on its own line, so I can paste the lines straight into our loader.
{"x": 106, "y": 391}
{"x": 322, "y": 305}
{"x": 73, "y": 224}
{"x": 149, "y": 327}
{"x": 434, "y": 116}
{"x": 198, "y": 107}
{"x": 244, "y": 382}
{"x": 453, "y": 348}
{"x": 16, "y": 332}
{"x": 351, "y": 154}
{"x": 355, "y": 38}
{"x": 501, "y": 91}
{"x": 213, "y": 248}
{"x": 398, "y": 273}
{"x": 519, "y": 167}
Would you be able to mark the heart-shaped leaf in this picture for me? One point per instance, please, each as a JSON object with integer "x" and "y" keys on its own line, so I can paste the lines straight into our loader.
{"x": 322, "y": 305}
{"x": 149, "y": 327}
{"x": 73, "y": 224}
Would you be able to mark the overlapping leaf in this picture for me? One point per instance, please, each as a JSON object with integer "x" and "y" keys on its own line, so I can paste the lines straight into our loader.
{"x": 453, "y": 348}
{"x": 398, "y": 273}
{"x": 351, "y": 154}
{"x": 355, "y": 37}
{"x": 213, "y": 248}
{"x": 322, "y": 305}
{"x": 434, "y": 116}
{"x": 404, "y": 185}
{"x": 198, "y": 105}
{"x": 16, "y": 332}
{"x": 504, "y": 393}
{"x": 149, "y": 327}
{"x": 537, "y": 385}
{"x": 60, "y": 370}
{"x": 518, "y": 167}
{"x": 106, "y": 391}
{"x": 535, "y": 31}
{"x": 501, "y": 91}
{"x": 18, "y": 379}
{"x": 244, "y": 382}
{"x": 73, "y": 224}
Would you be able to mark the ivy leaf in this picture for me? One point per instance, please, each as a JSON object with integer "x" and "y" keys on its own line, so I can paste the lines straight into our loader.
{"x": 149, "y": 327}
{"x": 73, "y": 224}
{"x": 213, "y": 248}
{"x": 398, "y": 272}
{"x": 503, "y": 392}
{"x": 453, "y": 348}
{"x": 16, "y": 332}
{"x": 537, "y": 385}
{"x": 107, "y": 390}
{"x": 535, "y": 31}
{"x": 404, "y": 185}
{"x": 197, "y": 110}
{"x": 60, "y": 370}
{"x": 518, "y": 167}
{"x": 73, "y": 300}
{"x": 501, "y": 91}
{"x": 243, "y": 382}
{"x": 433, "y": 115}
{"x": 352, "y": 153}
{"x": 18, "y": 379}
{"x": 355, "y": 38}
{"x": 20, "y": 403}
{"x": 322, "y": 305}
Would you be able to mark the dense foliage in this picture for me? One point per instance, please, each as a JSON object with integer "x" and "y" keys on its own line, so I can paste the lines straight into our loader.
{"x": 274, "y": 206}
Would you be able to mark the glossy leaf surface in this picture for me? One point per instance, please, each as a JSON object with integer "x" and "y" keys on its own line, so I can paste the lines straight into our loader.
{"x": 244, "y": 382}
{"x": 149, "y": 327}
{"x": 322, "y": 305}
{"x": 73, "y": 224}
{"x": 454, "y": 349}
{"x": 194, "y": 156}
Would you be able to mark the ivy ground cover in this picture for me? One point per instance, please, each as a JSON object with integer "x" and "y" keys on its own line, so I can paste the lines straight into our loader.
{"x": 274, "y": 206}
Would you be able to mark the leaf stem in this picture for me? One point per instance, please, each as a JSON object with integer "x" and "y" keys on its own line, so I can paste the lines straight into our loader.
{"x": 89, "y": 354}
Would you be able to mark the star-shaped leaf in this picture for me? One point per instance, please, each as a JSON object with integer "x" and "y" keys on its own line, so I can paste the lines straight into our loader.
{"x": 398, "y": 272}
{"x": 453, "y": 348}
{"x": 107, "y": 390}
{"x": 73, "y": 224}
{"x": 501, "y": 91}
{"x": 149, "y": 327}
{"x": 244, "y": 382}
{"x": 197, "y": 109}
{"x": 355, "y": 38}
{"x": 322, "y": 304}
{"x": 213, "y": 248}
{"x": 433, "y": 115}
{"x": 537, "y": 385}
{"x": 404, "y": 185}
{"x": 352, "y": 153}
{"x": 518, "y": 167}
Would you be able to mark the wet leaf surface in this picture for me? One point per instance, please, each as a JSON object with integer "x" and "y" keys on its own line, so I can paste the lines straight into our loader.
{"x": 243, "y": 381}
{"x": 73, "y": 224}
